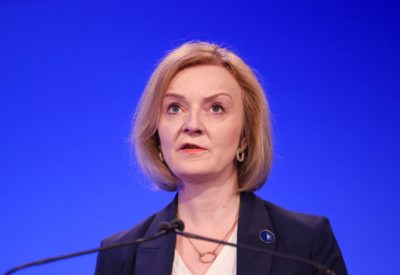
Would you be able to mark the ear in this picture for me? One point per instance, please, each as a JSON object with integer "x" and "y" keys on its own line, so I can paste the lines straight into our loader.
{"x": 243, "y": 144}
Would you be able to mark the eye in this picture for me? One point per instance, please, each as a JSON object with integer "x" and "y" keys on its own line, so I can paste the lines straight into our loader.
{"x": 173, "y": 108}
{"x": 217, "y": 108}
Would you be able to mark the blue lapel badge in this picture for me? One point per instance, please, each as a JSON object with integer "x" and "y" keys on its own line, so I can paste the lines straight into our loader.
{"x": 267, "y": 236}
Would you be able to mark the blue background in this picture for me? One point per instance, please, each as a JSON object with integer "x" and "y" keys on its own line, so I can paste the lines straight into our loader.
{"x": 71, "y": 73}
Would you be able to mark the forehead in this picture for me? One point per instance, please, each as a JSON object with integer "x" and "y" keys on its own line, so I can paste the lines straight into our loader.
{"x": 204, "y": 80}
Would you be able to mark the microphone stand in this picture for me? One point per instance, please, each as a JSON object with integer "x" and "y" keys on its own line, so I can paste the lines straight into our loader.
{"x": 89, "y": 251}
{"x": 177, "y": 227}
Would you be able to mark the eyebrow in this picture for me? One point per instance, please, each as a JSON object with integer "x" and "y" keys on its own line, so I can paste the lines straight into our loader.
{"x": 209, "y": 98}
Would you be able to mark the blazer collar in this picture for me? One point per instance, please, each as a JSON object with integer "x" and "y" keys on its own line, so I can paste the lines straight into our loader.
{"x": 253, "y": 218}
{"x": 156, "y": 257}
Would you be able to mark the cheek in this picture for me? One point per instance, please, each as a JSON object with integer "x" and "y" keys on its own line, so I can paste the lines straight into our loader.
{"x": 227, "y": 136}
{"x": 166, "y": 132}
{"x": 164, "y": 135}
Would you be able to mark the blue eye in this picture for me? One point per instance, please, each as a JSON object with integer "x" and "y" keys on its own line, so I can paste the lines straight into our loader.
{"x": 173, "y": 108}
{"x": 217, "y": 108}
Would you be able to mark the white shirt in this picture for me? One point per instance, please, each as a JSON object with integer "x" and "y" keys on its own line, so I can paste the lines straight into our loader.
{"x": 225, "y": 263}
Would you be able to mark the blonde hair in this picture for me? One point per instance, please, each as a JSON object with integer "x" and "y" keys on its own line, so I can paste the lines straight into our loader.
{"x": 256, "y": 131}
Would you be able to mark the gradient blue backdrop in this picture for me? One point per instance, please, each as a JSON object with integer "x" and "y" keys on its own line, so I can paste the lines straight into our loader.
{"x": 71, "y": 73}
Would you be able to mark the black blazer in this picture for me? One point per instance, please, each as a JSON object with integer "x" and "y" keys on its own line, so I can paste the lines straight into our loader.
{"x": 307, "y": 236}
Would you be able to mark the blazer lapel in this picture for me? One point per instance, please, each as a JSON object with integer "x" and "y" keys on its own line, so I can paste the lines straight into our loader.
{"x": 156, "y": 257}
{"x": 253, "y": 218}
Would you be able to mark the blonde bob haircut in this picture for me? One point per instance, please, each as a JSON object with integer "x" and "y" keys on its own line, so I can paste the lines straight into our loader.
{"x": 254, "y": 170}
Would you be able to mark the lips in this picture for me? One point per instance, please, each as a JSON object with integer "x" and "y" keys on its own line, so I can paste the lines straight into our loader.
{"x": 191, "y": 148}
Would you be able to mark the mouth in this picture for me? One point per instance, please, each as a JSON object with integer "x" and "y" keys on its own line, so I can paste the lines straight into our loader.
{"x": 191, "y": 148}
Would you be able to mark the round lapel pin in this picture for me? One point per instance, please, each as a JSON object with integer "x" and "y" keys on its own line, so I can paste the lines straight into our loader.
{"x": 267, "y": 236}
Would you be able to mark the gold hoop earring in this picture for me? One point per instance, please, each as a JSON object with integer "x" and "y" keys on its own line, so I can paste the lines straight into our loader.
{"x": 240, "y": 155}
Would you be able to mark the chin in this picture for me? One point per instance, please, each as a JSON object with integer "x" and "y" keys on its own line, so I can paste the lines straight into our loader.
{"x": 193, "y": 173}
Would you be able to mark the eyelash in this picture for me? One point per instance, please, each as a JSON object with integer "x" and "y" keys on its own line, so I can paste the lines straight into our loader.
{"x": 219, "y": 106}
{"x": 173, "y": 105}
{"x": 176, "y": 105}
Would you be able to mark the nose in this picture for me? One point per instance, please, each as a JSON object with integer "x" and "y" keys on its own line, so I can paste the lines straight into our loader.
{"x": 193, "y": 124}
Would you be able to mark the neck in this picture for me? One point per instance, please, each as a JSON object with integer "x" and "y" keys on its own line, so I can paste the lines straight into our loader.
{"x": 210, "y": 202}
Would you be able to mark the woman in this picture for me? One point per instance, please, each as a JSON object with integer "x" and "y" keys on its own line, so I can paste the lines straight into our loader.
{"x": 202, "y": 129}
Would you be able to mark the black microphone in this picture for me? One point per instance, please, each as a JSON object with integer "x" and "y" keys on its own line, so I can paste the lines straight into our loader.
{"x": 175, "y": 224}
{"x": 290, "y": 257}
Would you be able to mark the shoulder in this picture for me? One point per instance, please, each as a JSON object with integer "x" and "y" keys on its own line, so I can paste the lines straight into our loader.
{"x": 295, "y": 222}
{"x": 122, "y": 260}
{"x": 310, "y": 236}
{"x": 145, "y": 227}
{"x": 280, "y": 218}
{"x": 136, "y": 232}
{"x": 292, "y": 229}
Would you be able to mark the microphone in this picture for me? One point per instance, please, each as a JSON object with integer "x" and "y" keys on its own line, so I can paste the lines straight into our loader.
{"x": 290, "y": 257}
{"x": 175, "y": 224}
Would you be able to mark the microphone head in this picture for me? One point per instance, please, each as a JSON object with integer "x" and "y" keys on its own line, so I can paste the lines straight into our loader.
{"x": 175, "y": 224}
{"x": 178, "y": 224}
